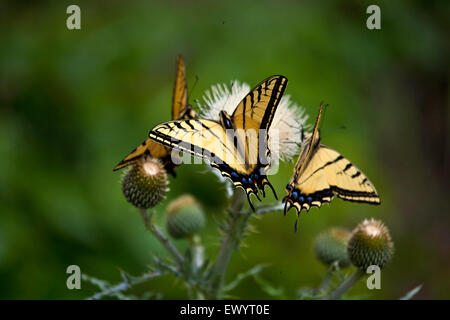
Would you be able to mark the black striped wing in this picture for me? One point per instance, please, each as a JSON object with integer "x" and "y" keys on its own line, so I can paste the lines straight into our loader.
{"x": 322, "y": 173}
{"x": 252, "y": 119}
{"x": 153, "y": 149}
{"x": 208, "y": 140}
{"x": 329, "y": 174}
{"x": 236, "y": 157}
{"x": 180, "y": 105}
{"x": 180, "y": 110}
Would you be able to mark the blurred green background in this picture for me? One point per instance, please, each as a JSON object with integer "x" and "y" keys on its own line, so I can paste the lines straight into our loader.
{"x": 74, "y": 103}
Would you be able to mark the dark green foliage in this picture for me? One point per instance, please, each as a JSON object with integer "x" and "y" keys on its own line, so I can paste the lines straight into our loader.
{"x": 73, "y": 103}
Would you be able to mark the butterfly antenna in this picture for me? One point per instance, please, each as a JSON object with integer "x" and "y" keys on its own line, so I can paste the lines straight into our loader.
{"x": 325, "y": 107}
{"x": 336, "y": 129}
{"x": 195, "y": 84}
{"x": 229, "y": 95}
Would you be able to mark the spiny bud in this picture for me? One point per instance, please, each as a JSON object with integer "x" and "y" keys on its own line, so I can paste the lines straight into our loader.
{"x": 184, "y": 217}
{"x": 145, "y": 184}
{"x": 370, "y": 244}
{"x": 331, "y": 246}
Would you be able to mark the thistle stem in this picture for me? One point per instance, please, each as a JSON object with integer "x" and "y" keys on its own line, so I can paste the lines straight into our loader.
{"x": 123, "y": 286}
{"x": 327, "y": 279}
{"x": 345, "y": 285}
{"x": 265, "y": 208}
{"x": 198, "y": 251}
{"x": 233, "y": 233}
{"x": 158, "y": 234}
{"x": 325, "y": 285}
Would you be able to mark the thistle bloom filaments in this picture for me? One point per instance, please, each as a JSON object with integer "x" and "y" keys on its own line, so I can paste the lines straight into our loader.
{"x": 145, "y": 184}
{"x": 370, "y": 244}
{"x": 331, "y": 246}
{"x": 185, "y": 217}
{"x": 285, "y": 131}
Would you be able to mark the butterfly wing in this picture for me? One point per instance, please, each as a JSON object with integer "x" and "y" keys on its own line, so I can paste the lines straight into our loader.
{"x": 235, "y": 156}
{"x": 257, "y": 109}
{"x": 180, "y": 106}
{"x": 329, "y": 174}
{"x": 252, "y": 119}
{"x": 309, "y": 146}
{"x": 180, "y": 110}
{"x": 201, "y": 138}
{"x": 322, "y": 173}
{"x": 206, "y": 139}
{"x": 151, "y": 148}
{"x": 180, "y": 93}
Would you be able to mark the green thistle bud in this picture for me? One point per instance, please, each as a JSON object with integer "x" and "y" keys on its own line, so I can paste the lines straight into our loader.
{"x": 370, "y": 244}
{"x": 184, "y": 217}
{"x": 331, "y": 246}
{"x": 145, "y": 184}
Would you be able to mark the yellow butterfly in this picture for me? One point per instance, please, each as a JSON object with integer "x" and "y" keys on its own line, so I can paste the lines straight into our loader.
{"x": 322, "y": 173}
{"x": 181, "y": 109}
{"x": 234, "y": 143}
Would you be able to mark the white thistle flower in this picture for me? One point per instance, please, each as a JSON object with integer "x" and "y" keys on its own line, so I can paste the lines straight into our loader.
{"x": 288, "y": 120}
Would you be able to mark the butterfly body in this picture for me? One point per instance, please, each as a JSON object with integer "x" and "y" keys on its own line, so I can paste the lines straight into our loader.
{"x": 322, "y": 173}
{"x": 181, "y": 109}
{"x": 233, "y": 143}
